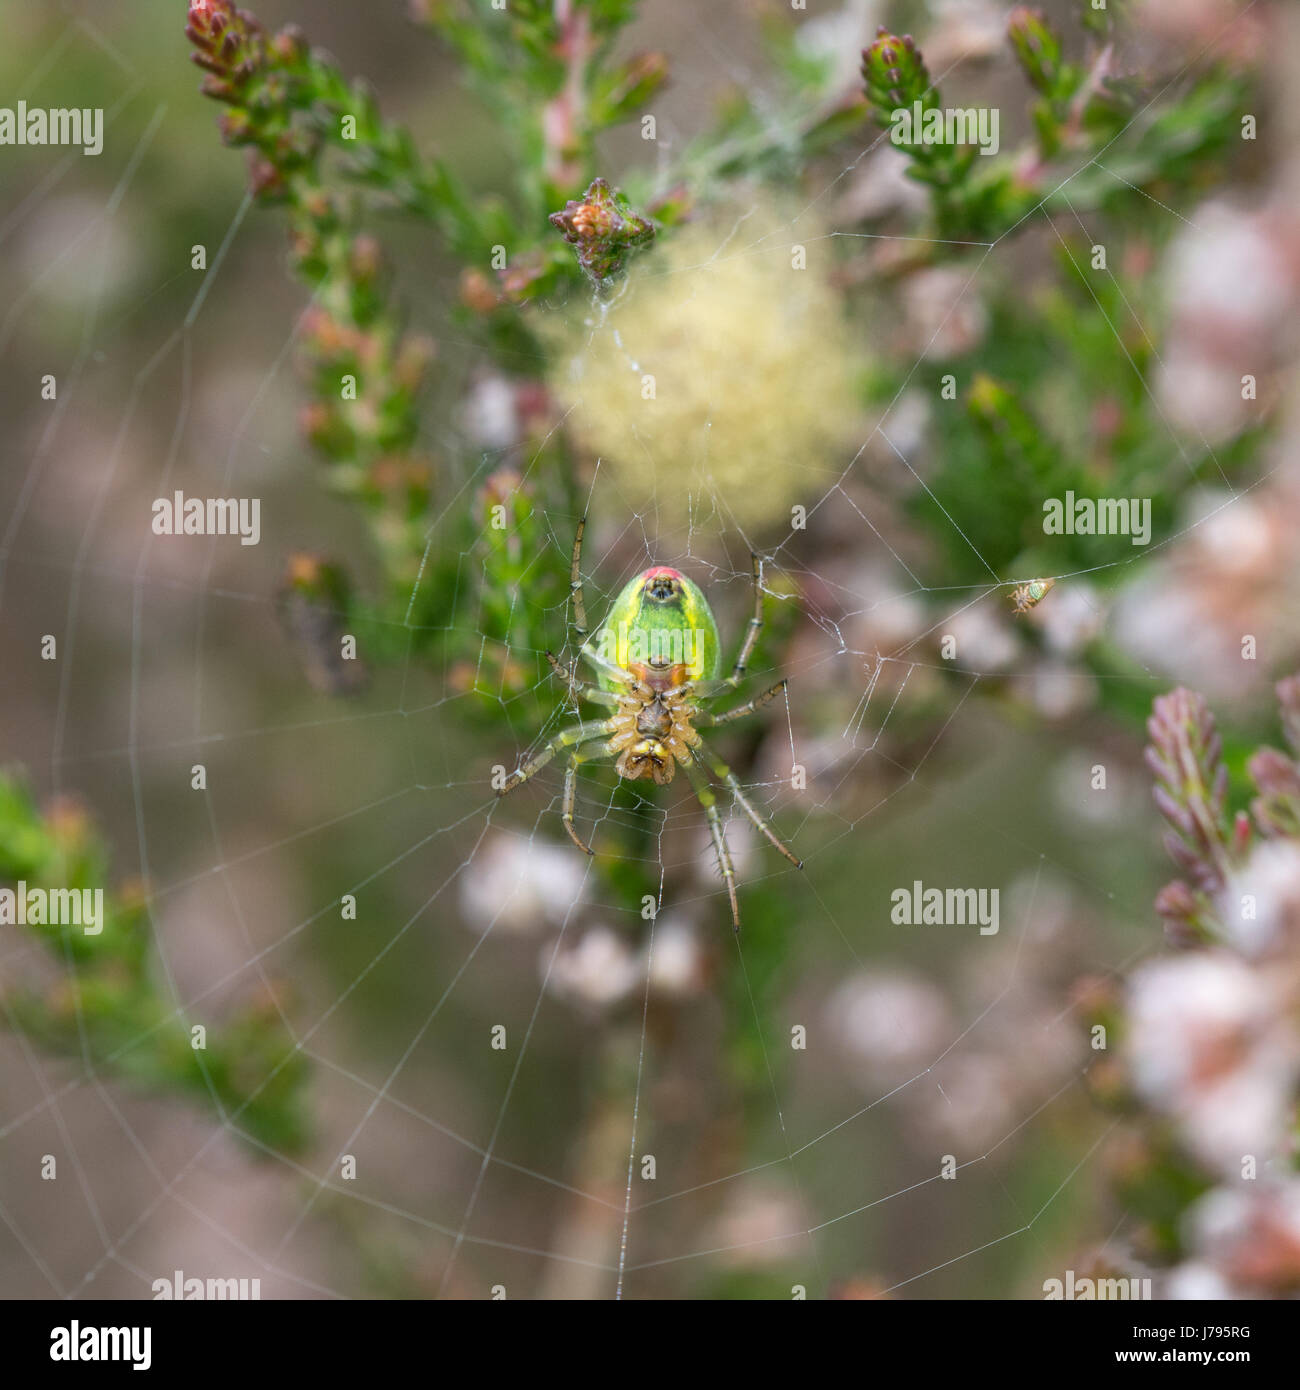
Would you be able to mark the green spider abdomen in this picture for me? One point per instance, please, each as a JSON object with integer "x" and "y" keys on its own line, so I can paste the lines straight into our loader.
{"x": 662, "y": 630}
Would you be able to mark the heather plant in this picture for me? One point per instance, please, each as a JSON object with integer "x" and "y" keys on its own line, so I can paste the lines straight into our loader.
{"x": 1045, "y": 396}
{"x": 743, "y": 343}
{"x": 1107, "y": 128}
{"x": 108, "y": 1006}
{"x": 1207, "y": 1079}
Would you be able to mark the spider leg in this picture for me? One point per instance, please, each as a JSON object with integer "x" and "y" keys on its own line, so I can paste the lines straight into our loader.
{"x": 707, "y": 690}
{"x": 704, "y": 793}
{"x": 760, "y": 823}
{"x": 577, "y": 757}
{"x": 580, "y": 689}
{"x": 604, "y": 665}
{"x": 706, "y": 719}
{"x": 578, "y": 617}
{"x": 576, "y": 733}
{"x": 751, "y": 632}
{"x": 578, "y": 626}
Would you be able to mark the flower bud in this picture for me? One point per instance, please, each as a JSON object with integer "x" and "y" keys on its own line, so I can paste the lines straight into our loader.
{"x": 895, "y": 75}
{"x": 604, "y": 228}
{"x": 1037, "y": 48}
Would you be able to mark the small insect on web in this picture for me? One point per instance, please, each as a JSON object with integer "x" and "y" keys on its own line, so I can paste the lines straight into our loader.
{"x": 657, "y": 663}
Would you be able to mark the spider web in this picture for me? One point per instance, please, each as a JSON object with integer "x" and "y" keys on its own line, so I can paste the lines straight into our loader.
{"x": 521, "y": 1170}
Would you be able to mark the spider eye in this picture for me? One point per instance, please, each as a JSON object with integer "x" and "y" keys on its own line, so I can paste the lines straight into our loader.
{"x": 661, "y": 588}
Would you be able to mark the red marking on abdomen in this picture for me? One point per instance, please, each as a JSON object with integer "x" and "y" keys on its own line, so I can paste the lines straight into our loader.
{"x": 659, "y": 681}
{"x": 660, "y": 572}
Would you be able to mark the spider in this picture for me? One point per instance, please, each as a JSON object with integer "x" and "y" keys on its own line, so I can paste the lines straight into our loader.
{"x": 658, "y": 661}
{"x": 1027, "y": 596}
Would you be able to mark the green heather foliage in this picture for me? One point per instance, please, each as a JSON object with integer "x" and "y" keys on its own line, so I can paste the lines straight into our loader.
{"x": 1105, "y": 139}
{"x": 109, "y": 1007}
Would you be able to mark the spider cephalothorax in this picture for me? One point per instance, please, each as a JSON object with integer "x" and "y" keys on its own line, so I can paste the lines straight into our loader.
{"x": 653, "y": 731}
{"x": 657, "y": 658}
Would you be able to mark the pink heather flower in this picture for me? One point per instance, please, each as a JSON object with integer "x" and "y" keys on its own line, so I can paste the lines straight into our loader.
{"x": 1251, "y": 1234}
{"x": 1210, "y": 1047}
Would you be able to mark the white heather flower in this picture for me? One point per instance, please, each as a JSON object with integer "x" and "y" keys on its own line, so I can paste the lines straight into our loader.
{"x": 1058, "y": 691}
{"x": 880, "y": 185}
{"x": 1072, "y": 619}
{"x": 1199, "y": 395}
{"x": 1226, "y": 575}
{"x": 836, "y": 39}
{"x": 944, "y": 314}
{"x": 1250, "y": 1233}
{"x": 1238, "y": 538}
{"x": 677, "y": 966}
{"x": 1194, "y": 1280}
{"x": 489, "y": 415}
{"x": 908, "y": 425}
{"x": 1228, "y": 275}
{"x": 598, "y": 970}
{"x": 1231, "y": 289}
{"x": 1049, "y": 910}
{"x": 516, "y": 885}
{"x": 1239, "y": 35}
{"x": 757, "y": 1223}
{"x": 972, "y": 1098}
{"x": 963, "y": 31}
{"x": 1260, "y": 904}
{"x": 893, "y": 1024}
{"x": 1208, "y": 1047}
{"x": 1156, "y": 617}
{"x": 884, "y": 616}
{"x": 1072, "y": 790}
{"x": 985, "y": 642}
